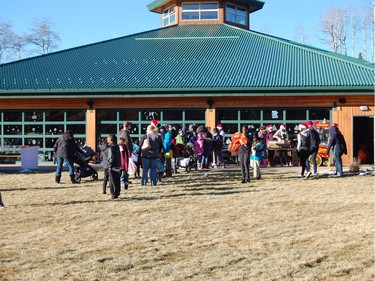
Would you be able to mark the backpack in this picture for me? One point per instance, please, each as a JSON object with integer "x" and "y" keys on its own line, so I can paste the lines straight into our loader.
{"x": 314, "y": 138}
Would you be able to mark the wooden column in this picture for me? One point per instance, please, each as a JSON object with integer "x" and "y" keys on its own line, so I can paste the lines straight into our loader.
{"x": 91, "y": 128}
{"x": 211, "y": 117}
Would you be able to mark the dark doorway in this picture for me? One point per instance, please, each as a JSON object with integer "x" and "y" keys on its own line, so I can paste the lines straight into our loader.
{"x": 363, "y": 138}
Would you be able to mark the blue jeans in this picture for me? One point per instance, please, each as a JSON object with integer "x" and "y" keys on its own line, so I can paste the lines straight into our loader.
{"x": 338, "y": 164}
{"x": 60, "y": 161}
{"x": 313, "y": 153}
{"x": 147, "y": 164}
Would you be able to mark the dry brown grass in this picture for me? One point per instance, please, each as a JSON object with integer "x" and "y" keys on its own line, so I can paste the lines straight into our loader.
{"x": 189, "y": 228}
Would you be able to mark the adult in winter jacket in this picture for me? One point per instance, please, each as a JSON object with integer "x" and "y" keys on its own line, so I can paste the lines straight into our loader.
{"x": 125, "y": 134}
{"x": 314, "y": 146}
{"x": 64, "y": 149}
{"x": 244, "y": 152}
{"x": 303, "y": 148}
{"x": 151, "y": 155}
{"x": 337, "y": 142}
{"x": 104, "y": 148}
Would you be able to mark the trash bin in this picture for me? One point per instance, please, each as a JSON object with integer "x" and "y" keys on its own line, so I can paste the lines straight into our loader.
{"x": 29, "y": 157}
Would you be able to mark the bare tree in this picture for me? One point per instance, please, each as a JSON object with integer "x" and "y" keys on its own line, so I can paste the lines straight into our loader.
{"x": 334, "y": 25}
{"x": 300, "y": 34}
{"x": 43, "y": 37}
{"x": 354, "y": 26}
{"x": 6, "y": 35}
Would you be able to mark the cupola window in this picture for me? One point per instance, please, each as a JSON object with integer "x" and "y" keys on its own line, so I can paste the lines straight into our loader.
{"x": 169, "y": 16}
{"x": 200, "y": 11}
{"x": 236, "y": 14}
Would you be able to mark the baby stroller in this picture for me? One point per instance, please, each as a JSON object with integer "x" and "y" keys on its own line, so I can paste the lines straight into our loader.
{"x": 82, "y": 159}
{"x": 189, "y": 161}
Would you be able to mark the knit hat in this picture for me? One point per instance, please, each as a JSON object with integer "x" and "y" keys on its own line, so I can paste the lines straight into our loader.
{"x": 154, "y": 122}
{"x": 302, "y": 126}
{"x": 219, "y": 126}
{"x": 270, "y": 127}
{"x": 336, "y": 125}
{"x": 309, "y": 123}
{"x": 282, "y": 125}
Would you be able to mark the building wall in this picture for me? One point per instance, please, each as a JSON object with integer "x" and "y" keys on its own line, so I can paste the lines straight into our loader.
{"x": 342, "y": 113}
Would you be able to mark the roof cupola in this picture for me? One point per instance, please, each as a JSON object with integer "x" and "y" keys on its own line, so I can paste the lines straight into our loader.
{"x": 193, "y": 12}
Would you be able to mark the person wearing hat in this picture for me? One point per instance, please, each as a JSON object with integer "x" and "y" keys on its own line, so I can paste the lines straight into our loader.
{"x": 282, "y": 136}
{"x": 269, "y": 137}
{"x": 221, "y": 132}
{"x": 314, "y": 146}
{"x": 303, "y": 148}
{"x": 125, "y": 134}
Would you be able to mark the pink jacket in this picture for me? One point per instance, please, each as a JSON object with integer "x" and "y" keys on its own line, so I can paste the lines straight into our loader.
{"x": 199, "y": 145}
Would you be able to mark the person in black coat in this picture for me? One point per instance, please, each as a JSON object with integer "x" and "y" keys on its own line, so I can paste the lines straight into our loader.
{"x": 244, "y": 152}
{"x": 104, "y": 148}
{"x": 337, "y": 142}
{"x": 64, "y": 149}
{"x": 114, "y": 165}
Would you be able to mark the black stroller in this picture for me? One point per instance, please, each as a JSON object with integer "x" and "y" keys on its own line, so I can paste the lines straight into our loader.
{"x": 188, "y": 161}
{"x": 82, "y": 159}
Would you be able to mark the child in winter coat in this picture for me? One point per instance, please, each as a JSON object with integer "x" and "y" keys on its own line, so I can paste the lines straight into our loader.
{"x": 124, "y": 153}
{"x": 256, "y": 156}
{"x": 199, "y": 149}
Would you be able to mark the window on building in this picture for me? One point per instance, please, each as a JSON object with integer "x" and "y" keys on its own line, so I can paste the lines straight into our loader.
{"x": 236, "y": 14}
{"x": 200, "y": 11}
{"x": 169, "y": 16}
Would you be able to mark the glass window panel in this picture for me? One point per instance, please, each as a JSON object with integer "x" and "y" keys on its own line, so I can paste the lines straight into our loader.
{"x": 165, "y": 21}
{"x": 34, "y": 141}
{"x": 54, "y": 129}
{"x": 150, "y": 114}
{"x": 12, "y": 116}
{"x": 172, "y": 115}
{"x": 50, "y": 142}
{"x": 195, "y": 115}
{"x": 229, "y": 114}
{"x": 105, "y": 129}
{"x": 296, "y": 114}
{"x": 190, "y": 6}
{"x": 231, "y": 9}
{"x": 129, "y": 115}
{"x": 253, "y": 128}
{"x": 134, "y": 129}
{"x": 77, "y": 129}
{"x": 250, "y": 114}
{"x": 13, "y": 141}
{"x": 209, "y": 6}
{"x": 190, "y": 15}
{"x": 12, "y": 130}
{"x": 76, "y": 115}
{"x": 231, "y": 128}
{"x": 272, "y": 114}
{"x": 80, "y": 141}
{"x": 231, "y": 17}
{"x": 33, "y": 116}
{"x": 54, "y": 116}
{"x": 241, "y": 11}
{"x": 241, "y": 20}
{"x": 319, "y": 114}
{"x": 107, "y": 115}
{"x": 33, "y": 129}
{"x": 173, "y": 18}
{"x": 209, "y": 15}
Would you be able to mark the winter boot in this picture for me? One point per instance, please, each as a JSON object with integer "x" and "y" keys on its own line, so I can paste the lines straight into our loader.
{"x": 73, "y": 179}
{"x": 57, "y": 179}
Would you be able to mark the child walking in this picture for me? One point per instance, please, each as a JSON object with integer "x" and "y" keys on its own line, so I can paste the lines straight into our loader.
{"x": 256, "y": 156}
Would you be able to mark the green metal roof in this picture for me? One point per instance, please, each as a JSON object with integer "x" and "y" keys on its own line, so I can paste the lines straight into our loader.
{"x": 187, "y": 59}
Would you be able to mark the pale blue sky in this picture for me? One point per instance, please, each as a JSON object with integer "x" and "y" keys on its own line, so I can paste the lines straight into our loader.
{"x": 80, "y": 22}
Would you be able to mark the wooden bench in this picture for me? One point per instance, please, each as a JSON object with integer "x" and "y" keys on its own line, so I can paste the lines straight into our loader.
{"x": 9, "y": 158}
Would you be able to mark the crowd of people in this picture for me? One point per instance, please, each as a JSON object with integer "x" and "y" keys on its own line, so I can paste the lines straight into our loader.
{"x": 158, "y": 151}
